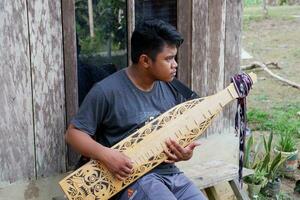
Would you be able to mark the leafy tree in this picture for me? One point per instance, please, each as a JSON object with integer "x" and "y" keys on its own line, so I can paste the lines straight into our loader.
{"x": 110, "y": 25}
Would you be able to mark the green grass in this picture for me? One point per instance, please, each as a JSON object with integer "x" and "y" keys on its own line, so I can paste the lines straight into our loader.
{"x": 279, "y": 120}
{"x": 278, "y": 12}
{"x": 282, "y": 196}
{"x": 252, "y": 2}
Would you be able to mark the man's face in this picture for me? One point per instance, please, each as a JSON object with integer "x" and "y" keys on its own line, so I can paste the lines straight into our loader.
{"x": 164, "y": 67}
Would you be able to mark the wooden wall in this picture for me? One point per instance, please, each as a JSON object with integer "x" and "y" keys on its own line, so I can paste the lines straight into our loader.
{"x": 210, "y": 54}
{"x": 32, "y": 92}
{"x": 16, "y": 120}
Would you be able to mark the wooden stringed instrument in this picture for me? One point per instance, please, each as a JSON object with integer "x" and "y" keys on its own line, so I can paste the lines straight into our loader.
{"x": 145, "y": 147}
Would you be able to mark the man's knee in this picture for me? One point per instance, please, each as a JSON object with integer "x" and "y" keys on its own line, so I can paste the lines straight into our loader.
{"x": 149, "y": 187}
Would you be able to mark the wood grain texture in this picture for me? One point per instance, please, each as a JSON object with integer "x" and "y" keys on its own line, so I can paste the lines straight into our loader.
{"x": 215, "y": 54}
{"x": 130, "y": 27}
{"x": 234, "y": 12}
{"x": 16, "y": 123}
{"x": 70, "y": 57}
{"x": 70, "y": 66}
{"x": 211, "y": 173}
{"x": 199, "y": 47}
{"x": 45, "y": 29}
{"x": 184, "y": 26}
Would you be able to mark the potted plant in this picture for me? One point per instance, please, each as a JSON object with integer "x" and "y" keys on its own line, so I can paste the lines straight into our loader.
{"x": 258, "y": 179}
{"x": 288, "y": 149}
{"x": 255, "y": 182}
{"x": 271, "y": 164}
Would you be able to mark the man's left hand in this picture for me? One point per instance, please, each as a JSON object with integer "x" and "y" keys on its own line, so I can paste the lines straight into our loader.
{"x": 177, "y": 153}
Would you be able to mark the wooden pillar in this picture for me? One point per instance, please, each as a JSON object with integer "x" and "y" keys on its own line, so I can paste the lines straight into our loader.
{"x": 234, "y": 12}
{"x": 215, "y": 54}
{"x": 70, "y": 66}
{"x": 200, "y": 39}
{"x": 130, "y": 27}
{"x": 184, "y": 57}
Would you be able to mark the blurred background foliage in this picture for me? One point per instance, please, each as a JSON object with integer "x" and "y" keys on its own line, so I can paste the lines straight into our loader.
{"x": 109, "y": 17}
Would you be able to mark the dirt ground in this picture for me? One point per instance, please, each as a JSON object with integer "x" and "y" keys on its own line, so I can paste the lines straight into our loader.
{"x": 275, "y": 40}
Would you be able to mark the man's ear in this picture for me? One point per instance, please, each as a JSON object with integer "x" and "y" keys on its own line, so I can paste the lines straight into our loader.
{"x": 145, "y": 61}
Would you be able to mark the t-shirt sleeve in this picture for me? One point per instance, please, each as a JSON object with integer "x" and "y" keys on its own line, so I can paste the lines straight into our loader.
{"x": 92, "y": 111}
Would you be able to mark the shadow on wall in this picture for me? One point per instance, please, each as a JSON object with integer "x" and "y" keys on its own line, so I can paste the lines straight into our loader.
{"x": 118, "y": 58}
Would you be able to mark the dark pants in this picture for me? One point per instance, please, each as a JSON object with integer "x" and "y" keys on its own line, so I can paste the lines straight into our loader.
{"x": 162, "y": 187}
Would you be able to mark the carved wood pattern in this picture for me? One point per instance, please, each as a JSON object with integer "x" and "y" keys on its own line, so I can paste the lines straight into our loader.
{"x": 183, "y": 123}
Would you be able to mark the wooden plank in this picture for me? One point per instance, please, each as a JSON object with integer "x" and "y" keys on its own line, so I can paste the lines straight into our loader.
{"x": 16, "y": 123}
{"x": 232, "y": 50}
{"x": 215, "y": 54}
{"x": 45, "y": 30}
{"x": 130, "y": 27}
{"x": 70, "y": 57}
{"x": 212, "y": 193}
{"x": 199, "y": 47}
{"x": 70, "y": 66}
{"x": 184, "y": 26}
{"x": 216, "y": 34}
{"x": 214, "y": 172}
{"x": 239, "y": 192}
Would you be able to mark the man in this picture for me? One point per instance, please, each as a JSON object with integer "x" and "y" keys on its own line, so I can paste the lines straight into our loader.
{"x": 118, "y": 104}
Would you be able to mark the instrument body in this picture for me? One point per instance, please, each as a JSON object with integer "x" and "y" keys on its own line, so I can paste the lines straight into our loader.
{"x": 145, "y": 147}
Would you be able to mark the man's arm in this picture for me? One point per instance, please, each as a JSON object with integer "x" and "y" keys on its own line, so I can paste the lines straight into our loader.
{"x": 116, "y": 162}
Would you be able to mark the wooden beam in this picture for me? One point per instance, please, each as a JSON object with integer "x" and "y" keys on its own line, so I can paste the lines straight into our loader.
{"x": 234, "y": 13}
{"x": 215, "y": 54}
{"x": 184, "y": 26}
{"x": 199, "y": 44}
{"x": 239, "y": 192}
{"x": 70, "y": 66}
{"x": 212, "y": 193}
{"x": 130, "y": 27}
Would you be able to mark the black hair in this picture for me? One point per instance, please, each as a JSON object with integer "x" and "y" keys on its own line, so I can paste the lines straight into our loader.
{"x": 150, "y": 36}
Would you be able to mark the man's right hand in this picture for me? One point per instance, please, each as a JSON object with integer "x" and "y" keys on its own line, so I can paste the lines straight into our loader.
{"x": 117, "y": 163}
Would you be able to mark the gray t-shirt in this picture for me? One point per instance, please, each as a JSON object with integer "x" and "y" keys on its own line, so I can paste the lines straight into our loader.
{"x": 115, "y": 107}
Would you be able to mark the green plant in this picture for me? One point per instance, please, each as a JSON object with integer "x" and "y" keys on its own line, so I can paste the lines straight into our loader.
{"x": 270, "y": 163}
{"x": 267, "y": 165}
{"x": 252, "y": 161}
{"x": 257, "y": 178}
{"x": 286, "y": 143}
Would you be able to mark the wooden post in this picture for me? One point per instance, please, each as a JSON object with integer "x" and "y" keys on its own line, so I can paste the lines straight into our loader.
{"x": 91, "y": 18}
{"x": 130, "y": 27}
{"x": 234, "y": 12}
{"x": 200, "y": 39}
{"x": 70, "y": 66}
{"x": 215, "y": 54}
{"x": 184, "y": 26}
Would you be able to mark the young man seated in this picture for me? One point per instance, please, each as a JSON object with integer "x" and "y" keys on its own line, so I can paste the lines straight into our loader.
{"x": 116, "y": 105}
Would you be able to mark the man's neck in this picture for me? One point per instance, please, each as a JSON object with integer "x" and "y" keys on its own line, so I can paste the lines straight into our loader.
{"x": 140, "y": 78}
